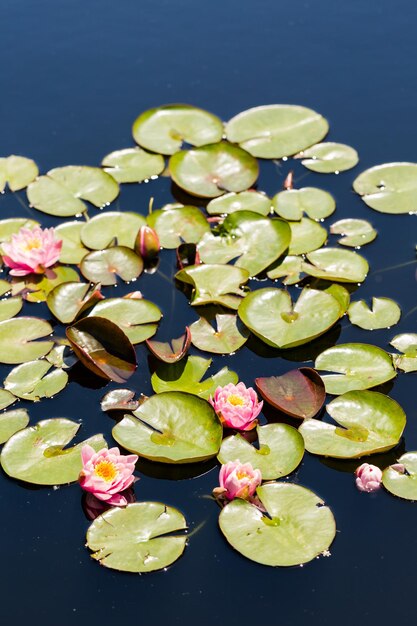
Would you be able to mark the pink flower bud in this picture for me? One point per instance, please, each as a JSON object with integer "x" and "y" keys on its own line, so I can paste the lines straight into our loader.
{"x": 238, "y": 480}
{"x": 147, "y": 243}
{"x": 31, "y": 251}
{"x": 106, "y": 473}
{"x": 368, "y": 477}
{"x": 237, "y": 406}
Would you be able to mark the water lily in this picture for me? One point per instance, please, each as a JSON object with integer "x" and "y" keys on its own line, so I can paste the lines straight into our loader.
{"x": 149, "y": 245}
{"x": 237, "y": 480}
{"x": 107, "y": 473}
{"x": 31, "y": 250}
{"x": 237, "y": 406}
{"x": 369, "y": 477}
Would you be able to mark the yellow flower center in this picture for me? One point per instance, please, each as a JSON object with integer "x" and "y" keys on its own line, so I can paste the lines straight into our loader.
{"x": 240, "y": 475}
{"x": 106, "y": 470}
{"x": 235, "y": 400}
{"x": 33, "y": 244}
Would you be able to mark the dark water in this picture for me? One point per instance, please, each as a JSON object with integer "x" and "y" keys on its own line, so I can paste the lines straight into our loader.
{"x": 74, "y": 76}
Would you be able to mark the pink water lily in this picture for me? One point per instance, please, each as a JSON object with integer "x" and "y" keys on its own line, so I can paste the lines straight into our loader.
{"x": 237, "y": 480}
{"x": 237, "y": 406}
{"x": 31, "y": 251}
{"x": 368, "y": 477}
{"x": 107, "y": 473}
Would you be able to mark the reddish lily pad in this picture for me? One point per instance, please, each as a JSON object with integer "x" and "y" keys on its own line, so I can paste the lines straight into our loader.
{"x": 299, "y": 393}
{"x": 171, "y": 352}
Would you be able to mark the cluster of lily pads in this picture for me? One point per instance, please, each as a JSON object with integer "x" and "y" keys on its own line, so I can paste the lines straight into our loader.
{"x": 231, "y": 235}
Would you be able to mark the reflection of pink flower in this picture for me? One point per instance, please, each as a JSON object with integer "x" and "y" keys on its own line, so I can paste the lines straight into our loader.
{"x": 93, "y": 507}
{"x": 368, "y": 477}
{"x": 238, "y": 480}
{"x": 106, "y": 473}
{"x": 237, "y": 406}
{"x": 31, "y": 251}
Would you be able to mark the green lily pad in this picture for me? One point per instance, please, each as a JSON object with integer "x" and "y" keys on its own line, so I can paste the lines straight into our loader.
{"x": 292, "y": 203}
{"x": 119, "y": 399}
{"x": 255, "y": 201}
{"x": 12, "y": 226}
{"x": 36, "y": 454}
{"x": 383, "y": 314}
{"x": 229, "y": 336}
{"x": 342, "y": 296}
{"x": 171, "y": 427}
{"x": 337, "y": 265}
{"x": 407, "y": 344}
{"x": 402, "y": 484}
{"x": 11, "y": 422}
{"x": 271, "y": 316}
{"x": 187, "y": 376}
{"x": 5, "y": 287}
{"x": 6, "y": 398}
{"x": 99, "y": 232}
{"x": 17, "y": 339}
{"x": 178, "y": 224}
{"x": 17, "y": 172}
{"x": 254, "y": 240}
{"x": 355, "y": 233}
{"x": 171, "y": 352}
{"x": 358, "y": 366}
{"x": 9, "y": 307}
{"x": 73, "y": 250}
{"x": 299, "y": 393}
{"x": 137, "y": 538}
{"x": 218, "y": 284}
{"x": 212, "y": 170}
{"x": 56, "y": 356}
{"x": 165, "y": 128}
{"x": 306, "y": 236}
{"x": 103, "y": 266}
{"x": 389, "y": 188}
{"x": 281, "y": 449}
{"x": 329, "y": 157}
{"x": 289, "y": 269}
{"x": 31, "y": 381}
{"x": 68, "y": 300}
{"x": 133, "y": 165}
{"x": 62, "y": 191}
{"x": 138, "y": 319}
{"x": 367, "y": 423}
{"x": 37, "y": 288}
{"x": 276, "y": 130}
{"x": 297, "y": 528}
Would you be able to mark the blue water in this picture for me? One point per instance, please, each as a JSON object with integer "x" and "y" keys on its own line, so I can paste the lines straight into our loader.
{"x": 74, "y": 76}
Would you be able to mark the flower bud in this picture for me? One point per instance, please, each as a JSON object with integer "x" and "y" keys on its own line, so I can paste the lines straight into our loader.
{"x": 369, "y": 477}
{"x": 147, "y": 243}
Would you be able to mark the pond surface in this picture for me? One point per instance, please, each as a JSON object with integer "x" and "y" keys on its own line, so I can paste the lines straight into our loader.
{"x": 74, "y": 77}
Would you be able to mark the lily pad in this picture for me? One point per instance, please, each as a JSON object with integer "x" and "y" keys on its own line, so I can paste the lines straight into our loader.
{"x": 355, "y": 233}
{"x": 187, "y": 376}
{"x": 62, "y": 191}
{"x": 68, "y": 300}
{"x": 6, "y": 398}
{"x": 103, "y": 266}
{"x": 291, "y": 204}
{"x": 402, "y": 484}
{"x": 31, "y": 381}
{"x": 133, "y": 165}
{"x": 277, "y": 130}
{"x": 357, "y": 366}
{"x": 299, "y": 393}
{"x": 270, "y": 314}
{"x": 342, "y": 296}
{"x": 171, "y": 352}
{"x": 138, "y": 319}
{"x": 255, "y": 201}
{"x": 281, "y": 449}
{"x": 36, "y": 454}
{"x": 383, "y": 314}
{"x": 17, "y": 339}
{"x": 289, "y": 269}
{"x": 337, "y": 265}
{"x": 73, "y": 250}
{"x": 171, "y": 427}
{"x": 165, "y": 128}
{"x": 367, "y": 423}
{"x": 36, "y": 288}
{"x": 297, "y": 527}
{"x": 179, "y": 224}
{"x": 103, "y": 348}
{"x": 306, "y": 236}
{"x": 229, "y": 336}
{"x": 137, "y": 538}
{"x": 329, "y": 157}
{"x": 407, "y": 344}
{"x": 119, "y": 399}
{"x": 12, "y": 226}
{"x": 255, "y": 241}
{"x": 17, "y": 172}
{"x": 11, "y": 422}
{"x": 389, "y": 188}
{"x": 5, "y": 287}
{"x": 218, "y": 284}
{"x": 99, "y": 232}
{"x": 212, "y": 170}
{"x": 9, "y": 307}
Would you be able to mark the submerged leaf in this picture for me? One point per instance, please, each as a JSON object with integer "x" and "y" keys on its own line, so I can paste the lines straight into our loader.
{"x": 299, "y": 393}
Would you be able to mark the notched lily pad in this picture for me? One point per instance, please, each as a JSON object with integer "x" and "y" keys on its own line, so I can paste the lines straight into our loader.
{"x": 216, "y": 283}
{"x": 103, "y": 266}
{"x": 31, "y": 381}
{"x": 289, "y": 269}
{"x": 171, "y": 352}
{"x": 138, "y": 319}
{"x": 133, "y": 165}
{"x": 178, "y": 224}
{"x": 389, "y": 188}
{"x": 113, "y": 226}
{"x": 291, "y": 204}
{"x": 11, "y": 422}
{"x": 399, "y": 482}
{"x": 407, "y": 344}
{"x": 18, "y": 339}
{"x": 17, "y": 172}
{"x": 336, "y": 265}
{"x": 306, "y": 236}
{"x": 299, "y": 393}
{"x": 229, "y": 336}
{"x": 69, "y": 300}
{"x": 384, "y": 313}
{"x": 329, "y": 157}
{"x": 355, "y": 232}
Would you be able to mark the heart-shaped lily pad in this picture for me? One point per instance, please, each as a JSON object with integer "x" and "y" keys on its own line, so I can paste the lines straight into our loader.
{"x": 389, "y": 188}
{"x": 17, "y": 339}
{"x": 133, "y": 165}
{"x": 355, "y": 233}
{"x": 99, "y": 232}
{"x": 171, "y": 427}
{"x": 171, "y": 352}
{"x": 293, "y": 203}
{"x": 255, "y": 241}
{"x": 69, "y": 300}
{"x": 103, "y": 266}
{"x": 62, "y": 191}
{"x": 296, "y": 528}
{"x": 6, "y": 398}
{"x": 165, "y": 128}
{"x": 179, "y": 224}
{"x": 11, "y": 422}
{"x": 36, "y": 454}
{"x": 138, "y": 319}
{"x": 402, "y": 483}
{"x": 270, "y": 314}
{"x": 9, "y": 307}
{"x": 367, "y": 423}
{"x": 358, "y": 366}
{"x": 306, "y": 236}
{"x": 337, "y": 265}
{"x": 229, "y": 336}
{"x": 17, "y": 172}
{"x": 218, "y": 284}
{"x": 299, "y": 393}
{"x": 329, "y": 157}
{"x": 281, "y": 448}
{"x": 276, "y": 130}
{"x": 138, "y": 538}
{"x": 289, "y": 269}
{"x": 255, "y": 201}
{"x": 31, "y": 381}
{"x": 383, "y": 314}
{"x": 407, "y": 344}
{"x": 72, "y": 250}
{"x": 212, "y": 170}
